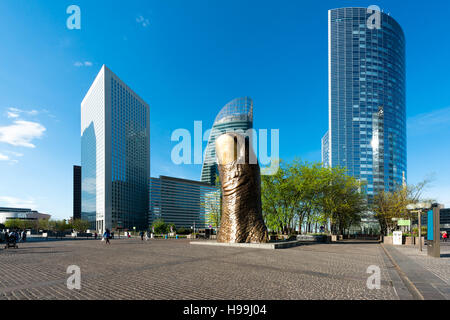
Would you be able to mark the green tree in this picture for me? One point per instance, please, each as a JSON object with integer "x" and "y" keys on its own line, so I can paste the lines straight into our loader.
{"x": 43, "y": 224}
{"x": 14, "y": 224}
{"x": 212, "y": 205}
{"x": 343, "y": 201}
{"x": 392, "y": 204}
{"x": 306, "y": 194}
{"x": 80, "y": 225}
{"x": 160, "y": 226}
{"x": 275, "y": 199}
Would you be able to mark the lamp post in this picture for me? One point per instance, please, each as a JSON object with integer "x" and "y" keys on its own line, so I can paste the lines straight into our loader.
{"x": 420, "y": 229}
{"x": 418, "y": 207}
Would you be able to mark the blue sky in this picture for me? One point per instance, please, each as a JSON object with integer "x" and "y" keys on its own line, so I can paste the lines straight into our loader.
{"x": 187, "y": 59}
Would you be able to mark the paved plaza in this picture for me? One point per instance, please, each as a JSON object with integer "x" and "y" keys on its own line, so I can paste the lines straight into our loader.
{"x": 174, "y": 269}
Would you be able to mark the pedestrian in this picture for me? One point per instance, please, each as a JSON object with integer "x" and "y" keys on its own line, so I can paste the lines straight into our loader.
{"x": 445, "y": 236}
{"x": 107, "y": 236}
{"x": 95, "y": 235}
{"x": 142, "y": 235}
{"x": 146, "y": 236}
{"x": 24, "y": 236}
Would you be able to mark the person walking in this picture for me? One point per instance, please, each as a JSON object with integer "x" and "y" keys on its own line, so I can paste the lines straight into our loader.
{"x": 445, "y": 236}
{"x": 95, "y": 235}
{"x": 107, "y": 236}
{"x": 142, "y": 235}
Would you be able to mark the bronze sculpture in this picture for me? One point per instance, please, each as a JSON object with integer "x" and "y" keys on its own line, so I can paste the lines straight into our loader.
{"x": 242, "y": 220}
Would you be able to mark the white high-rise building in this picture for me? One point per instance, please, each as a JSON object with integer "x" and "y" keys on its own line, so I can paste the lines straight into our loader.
{"x": 115, "y": 155}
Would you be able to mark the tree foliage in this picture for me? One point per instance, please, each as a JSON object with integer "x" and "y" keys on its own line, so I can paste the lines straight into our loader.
{"x": 162, "y": 227}
{"x": 306, "y": 194}
{"x": 212, "y": 205}
{"x": 80, "y": 225}
{"x": 392, "y": 204}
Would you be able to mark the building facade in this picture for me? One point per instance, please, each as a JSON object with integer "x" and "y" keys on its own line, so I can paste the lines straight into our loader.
{"x": 236, "y": 116}
{"x": 367, "y": 112}
{"x": 186, "y": 203}
{"x": 115, "y": 155}
{"x": 21, "y": 214}
{"x": 325, "y": 151}
{"x": 444, "y": 220}
{"x": 76, "y": 192}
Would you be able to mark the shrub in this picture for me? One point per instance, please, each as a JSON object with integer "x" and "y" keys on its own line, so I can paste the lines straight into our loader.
{"x": 184, "y": 231}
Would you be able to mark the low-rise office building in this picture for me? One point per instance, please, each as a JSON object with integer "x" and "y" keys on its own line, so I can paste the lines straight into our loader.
{"x": 185, "y": 203}
{"x": 21, "y": 214}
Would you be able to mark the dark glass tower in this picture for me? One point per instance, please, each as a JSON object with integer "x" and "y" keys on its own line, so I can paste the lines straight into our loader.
{"x": 76, "y": 192}
{"x": 367, "y": 112}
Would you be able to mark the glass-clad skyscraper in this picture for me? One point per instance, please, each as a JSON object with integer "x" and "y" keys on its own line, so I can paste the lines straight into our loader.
{"x": 235, "y": 116}
{"x": 367, "y": 129}
{"x": 115, "y": 155}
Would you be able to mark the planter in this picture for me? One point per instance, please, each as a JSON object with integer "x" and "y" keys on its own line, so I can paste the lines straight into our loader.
{"x": 409, "y": 241}
{"x": 388, "y": 240}
{"x": 416, "y": 241}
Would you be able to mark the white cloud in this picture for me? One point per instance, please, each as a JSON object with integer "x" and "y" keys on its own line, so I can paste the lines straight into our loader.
{"x": 7, "y": 158}
{"x": 421, "y": 123}
{"x": 143, "y": 21}
{"x": 12, "y": 202}
{"x": 16, "y": 154}
{"x": 12, "y": 114}
{"x": 79, "y": 64}
{"x": 21, "y": 133}
{"x": 15, "y": 112}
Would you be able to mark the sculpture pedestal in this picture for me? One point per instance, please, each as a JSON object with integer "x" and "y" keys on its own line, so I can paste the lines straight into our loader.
{"x": 268, "y": 245}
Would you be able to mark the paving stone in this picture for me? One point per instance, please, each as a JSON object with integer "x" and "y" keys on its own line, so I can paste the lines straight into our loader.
{"x": 174, "y": 269}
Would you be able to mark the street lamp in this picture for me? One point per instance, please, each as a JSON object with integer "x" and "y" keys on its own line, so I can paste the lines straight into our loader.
{"x": 418, "y": 207}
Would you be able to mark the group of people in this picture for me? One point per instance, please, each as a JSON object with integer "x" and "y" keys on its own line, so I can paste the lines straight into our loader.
{"x": 14, "y": 236}
{"x": 144, "y": 235}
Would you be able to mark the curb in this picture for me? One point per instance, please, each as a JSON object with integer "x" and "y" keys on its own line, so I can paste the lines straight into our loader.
{"x": 408, "y": 283}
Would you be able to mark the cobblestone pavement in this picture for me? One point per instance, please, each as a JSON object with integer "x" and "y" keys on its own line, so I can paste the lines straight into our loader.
{"x": 174, "y": 269}
{"x": 439, "y": 267}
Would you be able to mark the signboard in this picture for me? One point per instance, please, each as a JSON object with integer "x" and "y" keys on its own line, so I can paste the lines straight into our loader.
{"x": 397, "y": 238}
{"x": 430, "y": 229}
{"x": 402, "y": 222}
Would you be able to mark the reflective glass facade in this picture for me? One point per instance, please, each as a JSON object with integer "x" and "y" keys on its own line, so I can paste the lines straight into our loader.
{"x": 325, "y": 150}
{"x": 367, "y": 115}
{"x": 182, "y": 201}
{"x": 236, "y": 116}
{"x": 115, "y": 155}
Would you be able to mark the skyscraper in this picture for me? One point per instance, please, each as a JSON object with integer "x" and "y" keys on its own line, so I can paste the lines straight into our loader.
{"x": 76, "y": 192}
{"x": 115, "y": 155}
{"x": 367, "y": 113}
{"x": 235, "y": 115}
